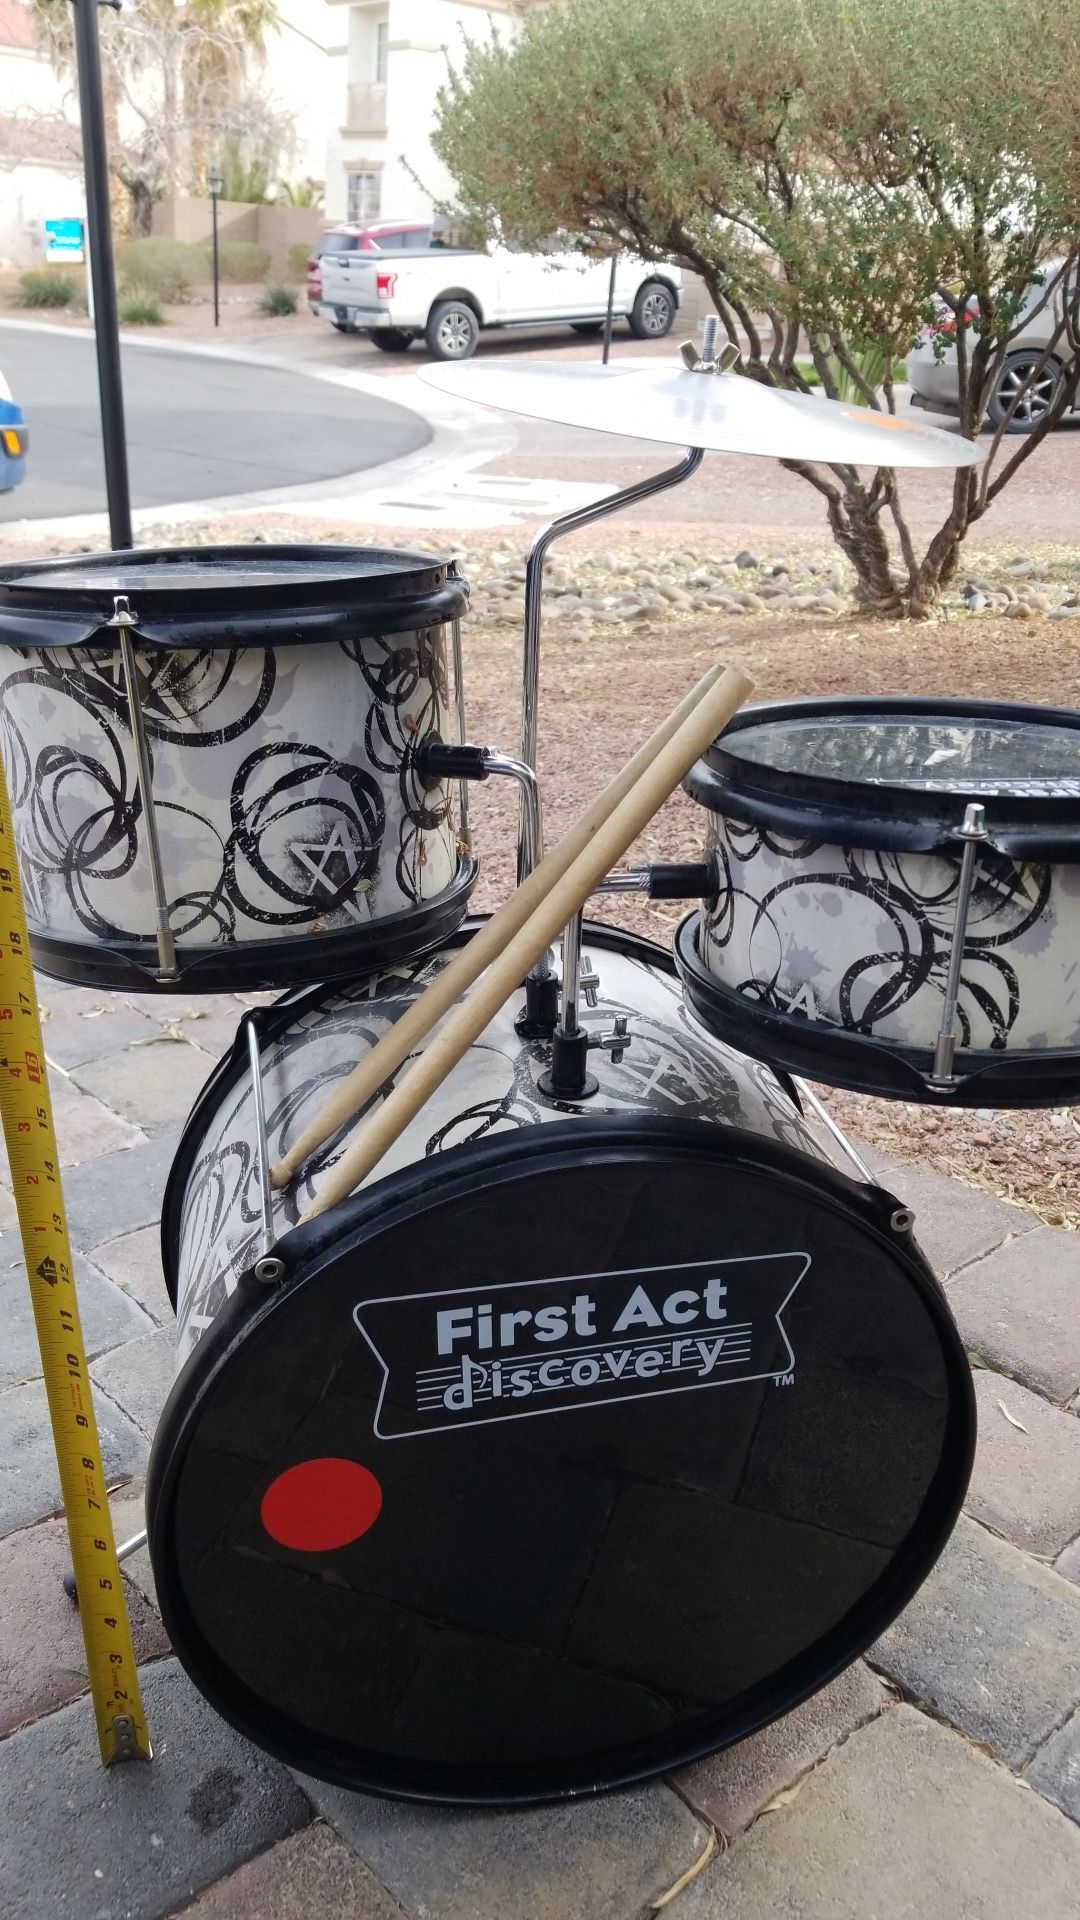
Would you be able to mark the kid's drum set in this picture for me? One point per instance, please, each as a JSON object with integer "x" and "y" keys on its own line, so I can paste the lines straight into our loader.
{"x": 606, "y": 1408}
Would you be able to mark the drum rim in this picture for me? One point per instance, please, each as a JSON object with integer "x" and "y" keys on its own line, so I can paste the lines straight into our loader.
{"x": 37, "y": 611}
{"x": 275, "y": 1020}
{"x": 249, "y": 965}
{"x": 885, "y": 815}
{"x": 409, "y": 1190}
{"x": 789, "y": 1043}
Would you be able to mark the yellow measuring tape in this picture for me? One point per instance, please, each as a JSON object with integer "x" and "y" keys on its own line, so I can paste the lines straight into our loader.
{"x": 26, "y": 1112}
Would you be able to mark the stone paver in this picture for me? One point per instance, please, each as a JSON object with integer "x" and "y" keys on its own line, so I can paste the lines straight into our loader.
{"x": 135, "y": 1840}
{"x": 139, "y": 1376}
{"x": 1055, "y": 1770}
{"x": 311, "y": 1876}
{"x": 1020, "y": 1308}
{"x": 907, "y": 1821}
{"x": 991, "y": 1643}
{"x": 731, "y": 1788}
{"x": 86, "y": 1026}
{"x": 954, "y": 1224}
{"x": 86, "y": 1127}
{"x": 29, "y": 1481}
{"x": 133, "y": 1261}
{"x": 128, "y": 1509}
{"x": 1068, "y": 1563}
{"x": 108, "y": 1316}
{"x": 110, "y": 1197}
{"x": 151, "y": 1084}
{"x": 42, "y": 1657}
{"x": 605, "y": 1859}
{"x": 1026, "y": 1484}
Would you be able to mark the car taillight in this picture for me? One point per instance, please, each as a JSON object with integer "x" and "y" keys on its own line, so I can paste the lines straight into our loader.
{"x": 385, "y": 282}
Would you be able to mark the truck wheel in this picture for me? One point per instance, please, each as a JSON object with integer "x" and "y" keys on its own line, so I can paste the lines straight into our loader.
{"x": 653, "y": 312}
{"x": 391, "y": 339}
{"x": 452, "y": 331}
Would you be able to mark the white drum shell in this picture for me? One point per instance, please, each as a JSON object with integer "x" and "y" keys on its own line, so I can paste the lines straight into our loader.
{"x": 672, "y": 1068}
{"x": 283, "y": 802}
{"x": 861, "y": 939}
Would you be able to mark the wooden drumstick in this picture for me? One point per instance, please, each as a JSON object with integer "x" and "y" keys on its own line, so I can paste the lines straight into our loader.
{"x": 468, "y": 964}
{"x": 671, "y": 765}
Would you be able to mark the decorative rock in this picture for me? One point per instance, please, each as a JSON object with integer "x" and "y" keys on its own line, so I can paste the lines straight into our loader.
{"x": 1018, "y": 610}
{"x": 991, "y": 1643}
{"x": 746, "y": 559}
{"x": 976, "y": 602}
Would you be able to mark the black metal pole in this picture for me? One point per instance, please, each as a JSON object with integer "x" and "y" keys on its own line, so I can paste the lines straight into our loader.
{"x": 213, "y": 216}
{"x": 610, "y": 307}
{"x": 102, "y": 270}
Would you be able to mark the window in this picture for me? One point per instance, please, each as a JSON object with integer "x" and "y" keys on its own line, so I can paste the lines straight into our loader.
{"x": 363, "y": 193}
{"x": 382, "y": 36}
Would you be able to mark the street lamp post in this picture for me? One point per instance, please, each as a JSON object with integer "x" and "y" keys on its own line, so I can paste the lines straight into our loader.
{"x": 215, "y": 181}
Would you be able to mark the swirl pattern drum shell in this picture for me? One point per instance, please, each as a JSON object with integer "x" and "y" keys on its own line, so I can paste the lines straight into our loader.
{"x": 833, "y": 833}
{"x": 581, "y": 1441}
{"x": 296, "y": 835}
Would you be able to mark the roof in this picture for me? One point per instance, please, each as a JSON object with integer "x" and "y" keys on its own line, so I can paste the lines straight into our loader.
{"x": 16, "y": 25}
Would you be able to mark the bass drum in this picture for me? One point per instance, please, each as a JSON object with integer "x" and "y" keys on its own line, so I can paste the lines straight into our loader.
{"x": 583, "y": 1441}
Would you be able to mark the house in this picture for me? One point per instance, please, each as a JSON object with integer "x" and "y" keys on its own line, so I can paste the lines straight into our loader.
{"x": 396, "y": 55}
{"x": 40, "y": 152}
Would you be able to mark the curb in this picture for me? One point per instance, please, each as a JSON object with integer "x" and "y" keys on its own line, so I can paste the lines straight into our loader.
{"x": 461, "y": 438}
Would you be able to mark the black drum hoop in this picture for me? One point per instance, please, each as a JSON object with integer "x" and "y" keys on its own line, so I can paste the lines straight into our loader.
{"x": 820, "y": 1050}
{"x": 884, "y": 816}
{"x": 249, "y": 965}
{"x": 472, "y": 1168}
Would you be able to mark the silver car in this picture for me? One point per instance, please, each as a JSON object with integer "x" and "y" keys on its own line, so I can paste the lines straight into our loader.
{"x": 932, "y": 371}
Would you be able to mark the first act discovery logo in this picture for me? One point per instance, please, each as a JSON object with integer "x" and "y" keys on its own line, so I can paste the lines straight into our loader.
{"x": 456, "y": 1359}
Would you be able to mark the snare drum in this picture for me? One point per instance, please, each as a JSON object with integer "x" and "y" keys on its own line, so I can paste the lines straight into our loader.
{"x": 581, "y": 1441}
{"x": 222, "y": 743}
{"x": 897, "y": 904}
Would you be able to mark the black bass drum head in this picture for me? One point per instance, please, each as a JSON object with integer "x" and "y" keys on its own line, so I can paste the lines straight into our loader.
{"x": 559, "y": 1463}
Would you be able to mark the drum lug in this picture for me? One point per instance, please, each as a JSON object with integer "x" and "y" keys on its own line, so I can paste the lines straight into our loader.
{"x": 973, "y": 832}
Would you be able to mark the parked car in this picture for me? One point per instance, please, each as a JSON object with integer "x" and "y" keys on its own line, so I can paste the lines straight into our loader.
{"x": 13, "y": 440}
{"x": 451, "y": 299}
{"x": 381, "y": 236}
{"x": 933, "y": 374}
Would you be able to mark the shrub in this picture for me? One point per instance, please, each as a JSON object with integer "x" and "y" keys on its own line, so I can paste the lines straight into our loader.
{"x": 276, "y": 302}
{"x": 166, "y": 268}
{"x": 45, "y": 287}
{"x": 299, "y": 255}
{"x": 244, "y": 260}
{"x": 138, "y": 308}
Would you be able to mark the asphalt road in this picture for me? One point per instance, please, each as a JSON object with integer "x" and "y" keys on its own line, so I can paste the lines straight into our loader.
{"x": 197, "y": 428}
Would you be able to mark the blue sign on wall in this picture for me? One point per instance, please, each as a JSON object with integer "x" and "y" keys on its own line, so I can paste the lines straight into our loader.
{"x": 64, "y": 241}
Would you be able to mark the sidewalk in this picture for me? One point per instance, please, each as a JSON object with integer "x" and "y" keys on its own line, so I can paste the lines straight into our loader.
{"x": 939, "y": 1780}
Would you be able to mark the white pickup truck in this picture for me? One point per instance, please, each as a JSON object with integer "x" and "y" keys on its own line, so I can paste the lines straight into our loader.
{"x": 449, "y": 296}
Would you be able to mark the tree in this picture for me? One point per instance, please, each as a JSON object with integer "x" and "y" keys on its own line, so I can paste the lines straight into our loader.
{"x": 839, "y": 172}
{"x": 176, "y": 84}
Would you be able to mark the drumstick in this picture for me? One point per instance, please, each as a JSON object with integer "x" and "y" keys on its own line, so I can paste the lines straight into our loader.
{"x": 468, "y": 964}
{"x": 671, "y": 765}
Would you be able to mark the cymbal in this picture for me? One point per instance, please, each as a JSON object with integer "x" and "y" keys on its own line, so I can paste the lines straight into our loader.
{"x": 722, "y": 412}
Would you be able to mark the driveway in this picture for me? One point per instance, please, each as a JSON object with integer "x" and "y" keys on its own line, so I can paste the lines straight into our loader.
{"x": 198, "y": 428}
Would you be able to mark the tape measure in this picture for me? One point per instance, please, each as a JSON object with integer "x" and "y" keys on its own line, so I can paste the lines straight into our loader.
{"x": 26, "y": 1113}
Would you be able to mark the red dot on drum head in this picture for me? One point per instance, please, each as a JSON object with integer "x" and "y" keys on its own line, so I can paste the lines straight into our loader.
{"x": 320, "y": 1505}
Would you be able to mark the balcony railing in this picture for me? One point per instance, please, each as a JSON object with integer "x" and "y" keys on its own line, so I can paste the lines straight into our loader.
{"x": 367, "y": 107}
